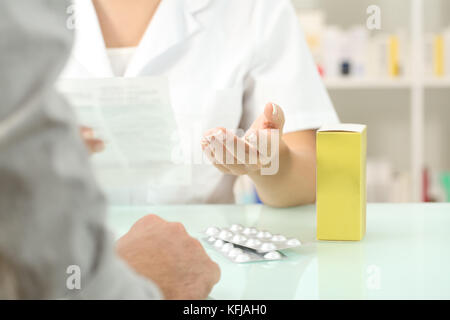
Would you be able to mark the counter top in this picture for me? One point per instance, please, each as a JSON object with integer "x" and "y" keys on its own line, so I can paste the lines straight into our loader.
{"x": 404, "y": 255}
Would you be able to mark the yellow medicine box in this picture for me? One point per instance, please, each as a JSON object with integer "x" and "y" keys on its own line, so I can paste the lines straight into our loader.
{"x": 341, "y": 182}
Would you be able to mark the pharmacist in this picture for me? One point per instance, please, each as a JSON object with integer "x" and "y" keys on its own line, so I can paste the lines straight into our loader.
{"x": 231, "y": 64}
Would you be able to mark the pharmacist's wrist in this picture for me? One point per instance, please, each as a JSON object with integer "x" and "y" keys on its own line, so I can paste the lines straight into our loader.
{"x": 277, "y": 167}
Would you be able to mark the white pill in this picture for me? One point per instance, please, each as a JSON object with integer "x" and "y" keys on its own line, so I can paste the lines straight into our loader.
{"x": 227, "y": 247}
{"x": 253, "y": 231}
{"x": 293, "y": 242}
{"x": 225, "y": 234}
{"x": 267, "y": 234}
{"x": 272, "y": 255}
{"x": 212, "y": 231}
{"x": 236, "y": 227}
{"x": 234, "y": 252}
{"x": 239, "y": 238}
{"x": 211, "y": 239}
{"x": 218, "y": 243}
{"x": 278, "y": 238}
{"x": 253, "y": 243}
{"x": 242, "y": 258}
{"x": 260, "y": 234}
{"x": 267, "y": 246}
{"x": 246, "y": 231}
{"x": 264, "y": 234}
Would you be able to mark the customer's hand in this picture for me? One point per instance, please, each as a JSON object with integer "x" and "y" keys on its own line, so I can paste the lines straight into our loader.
{"x": 93, "y": 144}
{"x": 163, "y": 252}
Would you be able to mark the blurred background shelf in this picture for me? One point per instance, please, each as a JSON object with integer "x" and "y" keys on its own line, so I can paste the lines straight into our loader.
{"x": 355, "y": 83}
{"x": 438, "y": 83}
{"x": 364, "y": 83}
{"x": 408, "y": 115}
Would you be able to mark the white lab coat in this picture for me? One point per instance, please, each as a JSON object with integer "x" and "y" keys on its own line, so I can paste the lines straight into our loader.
{"x": 225, "y": 59}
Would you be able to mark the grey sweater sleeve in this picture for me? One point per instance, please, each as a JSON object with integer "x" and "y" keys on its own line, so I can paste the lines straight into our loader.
{"x": 52, "y": 214}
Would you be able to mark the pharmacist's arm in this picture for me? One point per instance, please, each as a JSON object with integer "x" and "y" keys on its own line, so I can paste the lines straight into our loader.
{"x": 295, "y": 182}
{"x": 282, "y": 166}
{"x": 284, "y": 72}
{"x": 51, "y": 211}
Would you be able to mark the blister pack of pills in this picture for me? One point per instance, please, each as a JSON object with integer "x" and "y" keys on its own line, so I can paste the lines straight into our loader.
{"x": 240, "y": 254}
{"x": 252, "y": 238}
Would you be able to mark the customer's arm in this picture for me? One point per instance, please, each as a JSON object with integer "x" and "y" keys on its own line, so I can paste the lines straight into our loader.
{"x": 51, "y": 211}
{"x": 8, "y": 281}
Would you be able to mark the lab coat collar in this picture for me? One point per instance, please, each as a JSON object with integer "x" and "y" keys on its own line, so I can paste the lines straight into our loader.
{"x": 89, "y": 47}
{"x": 173, "y": 23}
{"x": 195, "y": 6}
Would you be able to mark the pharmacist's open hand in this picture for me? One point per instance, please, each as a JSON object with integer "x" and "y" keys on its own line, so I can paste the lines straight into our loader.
{"x": 259, "y": 147}
{"x": 93, "y": 144}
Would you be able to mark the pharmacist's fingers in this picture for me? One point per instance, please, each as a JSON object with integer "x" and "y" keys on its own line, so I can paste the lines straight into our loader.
{"x": 274, "y": 117}
{"x": 267, "y": 143}
{"x": 244, "y": 153}
{"x": 86, "y": 132}
{"x": 226, "y": 158}
{"x": 93, "y": 145}
{"x": 234, "y": 153}
{"x": 238, "y": 147}
{"x": 210, "y": 155}
{"x": 213, "y": 155}
{"x": 213, "y": 132}
{"x": 227, "y": 142}
{"x": 231, "y": 162}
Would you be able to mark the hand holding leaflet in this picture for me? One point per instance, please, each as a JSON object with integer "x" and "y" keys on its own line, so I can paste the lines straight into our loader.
{"x": 132, "y": 115}
{"x": 135, "y": 120}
